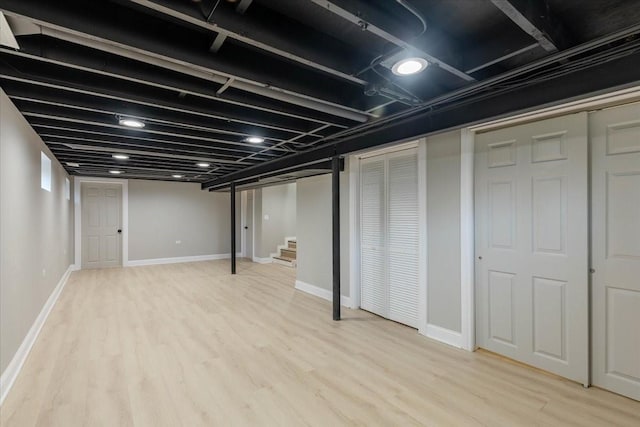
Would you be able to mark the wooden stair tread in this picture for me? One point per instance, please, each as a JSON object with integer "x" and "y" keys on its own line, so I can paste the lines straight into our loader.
{"x": 284, "y": 258}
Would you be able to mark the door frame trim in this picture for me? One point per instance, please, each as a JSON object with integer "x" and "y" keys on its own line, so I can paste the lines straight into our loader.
{"x": 243, "y": 224}
{"x": 467, "y": 240}
{"x": 77, "y": 216}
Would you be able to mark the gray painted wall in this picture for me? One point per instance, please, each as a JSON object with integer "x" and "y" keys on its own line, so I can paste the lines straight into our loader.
{"x": 160, "y": 213}
{"x": 314, "y": 232}
{"x": 36, "y": 229}
{"x": 279, "y": 203}
{"x": 443, "y": 231}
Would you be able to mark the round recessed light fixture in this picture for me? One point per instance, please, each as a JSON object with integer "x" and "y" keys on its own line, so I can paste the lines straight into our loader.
{"x": 254, "y": 140}
{"x": 115, "y": 172}
{"x": 120, "y": 156}
{"x": 177, "y": 176}
{"x": 408, "y": 66}
{"x": 131, "y": 123}
{"x": 73, "y": 164}
{"x": 203, "y": 165}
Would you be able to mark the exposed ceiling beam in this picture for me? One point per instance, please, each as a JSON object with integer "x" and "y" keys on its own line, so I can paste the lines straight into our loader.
{"x": 148, "y": 118}
{"x": 371, "y": 21}
{"x": 65, "y": 55}
{"x": 599, "y": 71}
{"x": 141, "y": 151}
{"x": 64, "y": 133}
{"x": 502, "y": 58}
{"x": 12, "y": 75}
{"x": 536, "y": 19}
{"x": 89, "y": 27}
{"x": 174, "y": 137}
{"x": 255, "y": 33}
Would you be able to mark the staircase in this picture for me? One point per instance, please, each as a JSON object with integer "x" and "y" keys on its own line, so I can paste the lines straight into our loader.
{"x": 287, "y": 255}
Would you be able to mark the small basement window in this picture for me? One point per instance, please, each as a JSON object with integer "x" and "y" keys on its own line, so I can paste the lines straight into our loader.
{"x": 45, "y": 172}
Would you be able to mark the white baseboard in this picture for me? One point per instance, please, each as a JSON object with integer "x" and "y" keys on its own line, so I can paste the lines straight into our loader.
{"x": 322, "y": 293}
{"x": 176, "y": 260}
{"x": 262, "y": 260}
{"x": 444, "y": 335}
{"x": 13, "y": 369}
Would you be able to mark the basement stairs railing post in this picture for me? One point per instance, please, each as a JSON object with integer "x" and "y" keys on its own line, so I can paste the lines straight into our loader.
{"x": 335, "y": 205}
{"x": 233, "y": 228}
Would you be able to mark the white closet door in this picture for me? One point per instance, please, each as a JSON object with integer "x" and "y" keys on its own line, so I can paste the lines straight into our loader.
{"x": 403, "y": 237}
{"x": 615, "y": 142}
{"x": 373, "y": 243}
{"x": 532, "y": 244}
{"x": 390, "y": 236}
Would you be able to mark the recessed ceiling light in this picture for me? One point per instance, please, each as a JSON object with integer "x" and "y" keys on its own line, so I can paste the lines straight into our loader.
{"x": 203, "y": 165}
{"x": 115, "y": 172}
{"x": 132, "y": 123}
{"x": 254, "y": 140}
{"x": 73, "y": 164}
{"x": 120, "y": 156}
{"x": 408, "y": 66}
{"x": 177, "y": 176}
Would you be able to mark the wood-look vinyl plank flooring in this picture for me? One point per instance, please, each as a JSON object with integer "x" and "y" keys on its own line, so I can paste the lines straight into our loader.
{"x": 191, "y": 345}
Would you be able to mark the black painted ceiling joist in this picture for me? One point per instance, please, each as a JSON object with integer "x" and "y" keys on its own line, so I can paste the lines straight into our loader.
{"x": 90, "y": 62}
{"x": 601, "y": 75}
{"x": 536, "y": 19}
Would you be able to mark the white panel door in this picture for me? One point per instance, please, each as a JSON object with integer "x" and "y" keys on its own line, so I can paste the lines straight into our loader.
{"x": 615, "y": 175}
{"x": 532, "y": 244}
{"x": 248, "y": 224}
{"x": 374, "y": 290}
{"x": 101, "y": 225}
{"x": 389, "y": 233}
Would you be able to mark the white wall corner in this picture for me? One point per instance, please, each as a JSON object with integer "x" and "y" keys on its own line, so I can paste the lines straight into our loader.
{"x": 446, "y": 336}
{"x": 13, "y": 369}
{"x": 467, "y": 240}
{"x": 322, "y": 293}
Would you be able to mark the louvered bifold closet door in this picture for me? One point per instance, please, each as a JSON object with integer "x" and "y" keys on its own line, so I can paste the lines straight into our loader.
{"x": 403, "y": 237}
{"x": 372, "y": 220}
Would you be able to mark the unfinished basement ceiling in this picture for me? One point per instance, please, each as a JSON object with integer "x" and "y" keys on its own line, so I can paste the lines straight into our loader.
{"x": 205, "y": 75}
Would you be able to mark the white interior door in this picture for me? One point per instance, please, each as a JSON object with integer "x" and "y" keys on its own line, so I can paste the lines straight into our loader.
{"x": 248, "y": 223}
{"x": 532, "y": 244}
{"x": 390, "y": 236}
{"x": 615, "y": 145}
{"x": 101, "y": 225}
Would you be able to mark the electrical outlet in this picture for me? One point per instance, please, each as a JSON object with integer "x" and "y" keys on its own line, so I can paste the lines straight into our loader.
{"x": 44, "y": 272}
{"x": 266, "y": 217}
{"x": 178, "y": 242}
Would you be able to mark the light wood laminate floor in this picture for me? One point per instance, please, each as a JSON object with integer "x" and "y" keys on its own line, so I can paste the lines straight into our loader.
{"x": 191, "y": 345}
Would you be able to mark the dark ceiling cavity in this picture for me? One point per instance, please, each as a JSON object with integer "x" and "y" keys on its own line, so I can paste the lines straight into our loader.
{"x": 312, "y": 78}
